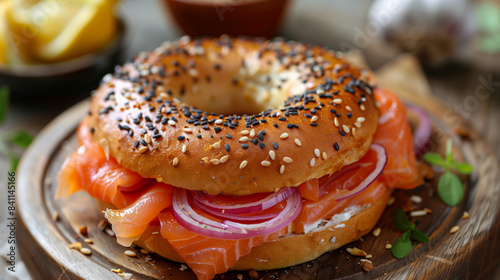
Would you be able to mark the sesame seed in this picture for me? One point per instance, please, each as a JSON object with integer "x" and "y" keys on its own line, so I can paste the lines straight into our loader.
{"x": 284, "y": 135}
{"x": 348, "y": 108}
{"x": 361, "y": 119}
{"x": 454, "y": 229}
{"x": 243, "y": 164}
{"x": 357, "y": 124}
{"x": 465, "y": 215}
{"x": 317, "y": 153}
{"x": 216, "y": 145}
{"x": 418, "y": 213}
{"x": 252, "y": 133}
{"x": 336, "y": 122}
{"x": 312, "y": 162}
{"x": 187, "y": 130}
{"x": 219, "y": 121}
{"x": 337, "y": 101}
{"x": 224, "y": 159}
{"x": 297, "y": 141}
{"x": 244, "y": 132}
{"x": 376, "y": 232}
{"x": 147, "y": 138}
{"x": 85, "y": 251}
{"x": 362, "y": 107}
{"x": 287, "y": 160}
{"x": 282, "y": 169}
{"x": 171, "y": 122}
{"x": 324, "y": 155}
{"x": 416, "y": 199}
{"x": 142, "y": 149}
{"x": 314, "y": 118}
{"x": 184, "y": 148}
{"x": 391, "y": 201}
{"x": 175, "y": 161}
{"x": 215, "y": 161}
{"x": 243, "y": 139}
{"x": 265, "y": 163}
{"x": 346, "y": 128}
{"x": 130, "y": 253}
{"x": 272, "y": 154}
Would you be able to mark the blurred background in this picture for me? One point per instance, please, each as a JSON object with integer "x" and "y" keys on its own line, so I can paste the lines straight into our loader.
{"x": 54, "y": 52}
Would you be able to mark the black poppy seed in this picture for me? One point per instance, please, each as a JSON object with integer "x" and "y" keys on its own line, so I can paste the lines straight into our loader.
{"x": 144, "y": 142}
{"x": 261, "y": 138}
{"x": 275, "y": 125}
{"x": 275, "y": 145}
{"x": 144, "y": 131}
{"x": 226, "y": 146}
{"x": 290, "y": 125}
{"x": 199, "y": 136}
{"x": 342, "y": 133}
{"x": 205, "y": 127}
{"x": 108, "y": 95}
{"x": 217, "y": 129}
{"x": 156, "y": 136}
{"x": 282, "y": 119}
{"x": 229, "y": 136}
{"x": 336, "y": 146}
{"x": 181, "y": 137}
{"x": 349, "y": 114}
{"x": 255, "y": 141}
{"x": 313, "y": 124}
{"x": 130, "y": 133}
{"x": 262, "y": 132}
{"x": 211, "y": 136}
{"x": 217, "y": 66}
{"x": 262, "y": 145}
{"x": 136, "y": 144}
{"x": 244, "y": 146}
{"x": 92, "y": 130}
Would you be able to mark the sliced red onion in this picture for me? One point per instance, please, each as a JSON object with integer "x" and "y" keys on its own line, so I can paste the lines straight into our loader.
{"x": 379, "y": 167}
{"x": 324, "y": 185}
{"x": 251, "y": 207}
{"x": 187, "y": 217}
{"x": 423, "y": 131}
{"x": 234, "y": 217}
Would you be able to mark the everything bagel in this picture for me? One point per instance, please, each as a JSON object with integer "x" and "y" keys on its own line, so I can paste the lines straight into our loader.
{"x": 235, "y": 116}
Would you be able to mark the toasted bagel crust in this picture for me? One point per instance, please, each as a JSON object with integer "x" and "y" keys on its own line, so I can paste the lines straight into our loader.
{"x": 323, "y": 114}
{"x": 286, "y": 251}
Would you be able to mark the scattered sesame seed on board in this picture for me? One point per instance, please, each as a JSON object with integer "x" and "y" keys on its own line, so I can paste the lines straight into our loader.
{"x": 418, "y": 213}
{"x": 454, "y": 229}
{"x": 183, "y": 267}
{"x": 376, "y": 232}
{"x": 391, "y": 201}
{"x": 416, "y": 199}
{"x": 86, "y": 251}
{"x": 465, "y": 215}
{"x": 109, "y": 232}
{"x": 388, "y": 246}
{"x": 76, "y": 246}
{"x": 130, "y": 253}
{"x": 88, "y": 241}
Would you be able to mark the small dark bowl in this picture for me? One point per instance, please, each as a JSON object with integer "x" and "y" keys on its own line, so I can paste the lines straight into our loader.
{"x": 73, "y": 76}
{"x": 259, "y": 18}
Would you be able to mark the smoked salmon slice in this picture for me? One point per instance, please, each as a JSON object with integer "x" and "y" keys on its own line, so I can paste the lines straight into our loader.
{"x": 129, "y": 223}
{"x": 89, "y": 169}
{"x": 394, "y": 134}
{"x": 208, "y": 256}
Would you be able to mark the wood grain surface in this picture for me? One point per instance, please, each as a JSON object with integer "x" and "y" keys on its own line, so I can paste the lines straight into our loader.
{"x": 471, "y": 253}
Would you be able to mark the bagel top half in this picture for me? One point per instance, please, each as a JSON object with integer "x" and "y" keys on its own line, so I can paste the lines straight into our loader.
{"x": 234, "y": 116}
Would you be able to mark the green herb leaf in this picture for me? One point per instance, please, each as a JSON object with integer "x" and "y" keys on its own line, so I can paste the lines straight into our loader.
{"x": 449, "y": 151}
{"x": 419, "y": 236}
{"x": 14, "y": 161}
{"x": 462, "y": 167}
{"x": 401, "y": 221}
{"x": 4, "y": 103}
{"x": 435, "y": 159}
{"x": 450, "y": 189}
{"x": 21, "y": 138}
{"x": 402, "y": 246}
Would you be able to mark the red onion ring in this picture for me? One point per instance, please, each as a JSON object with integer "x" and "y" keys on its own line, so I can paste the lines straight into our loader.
{"x": 187, "y": 217}
{"x": 245, "y": 208}
{"x": 324, "y": 185}
{"x": 234, "y": 217}
{"x": 423, "y": 131}
{"x": 379, "y": 167}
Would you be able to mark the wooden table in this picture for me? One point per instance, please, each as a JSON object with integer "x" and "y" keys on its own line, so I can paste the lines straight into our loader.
{"x": 464, "y": 89}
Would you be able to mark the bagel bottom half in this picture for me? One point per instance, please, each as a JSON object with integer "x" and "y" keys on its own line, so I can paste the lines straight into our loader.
{"x": 285, "y": 251}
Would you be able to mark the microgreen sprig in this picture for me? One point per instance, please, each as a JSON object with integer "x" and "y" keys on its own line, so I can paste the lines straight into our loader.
{"x": 403, "y": 246}
{"x": 21, "y": 139}
{"x": 450, "y": 188}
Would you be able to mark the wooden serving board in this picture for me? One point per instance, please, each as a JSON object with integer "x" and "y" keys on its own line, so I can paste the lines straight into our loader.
{"x": 472, "y": 252}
